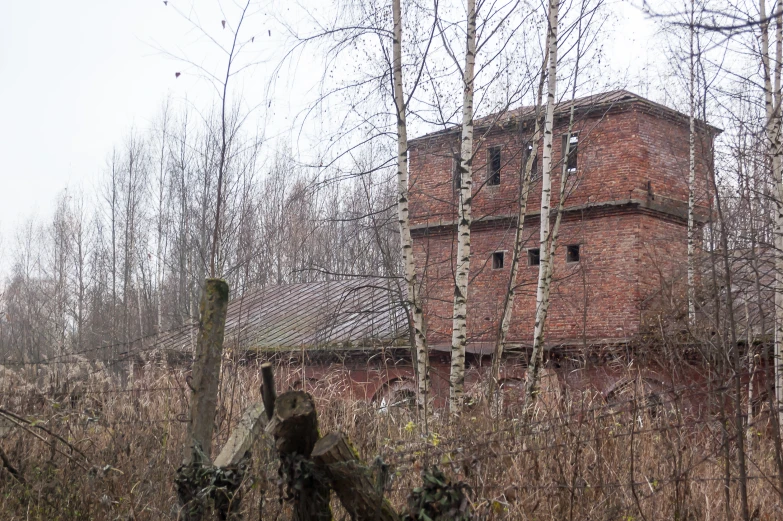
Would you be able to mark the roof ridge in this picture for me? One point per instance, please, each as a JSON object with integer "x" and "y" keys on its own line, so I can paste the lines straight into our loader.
{"x": 598, "y": 100}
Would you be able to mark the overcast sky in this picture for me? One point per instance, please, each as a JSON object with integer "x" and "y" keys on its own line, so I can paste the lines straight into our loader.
{"x": 76, "y": 76}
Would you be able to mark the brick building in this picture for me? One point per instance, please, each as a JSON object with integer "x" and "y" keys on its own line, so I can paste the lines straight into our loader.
{"x": 622, "y": 248}
{"x": 621, "y": 256}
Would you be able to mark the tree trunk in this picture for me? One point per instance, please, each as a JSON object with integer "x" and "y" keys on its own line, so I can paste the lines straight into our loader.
{"x": 206, "y": 368}
{"x": 159, "y": 264}
{"x": 459, "y": 334}
{"x": 361, "y": 496}
{"x": 524, "y": 191}
{"x": 772, "y": 129}
{"x": 294, "y": 425}
{"x": 542, "y": 291}
{"x": 691, "y": 178}
{"x": 414, "y": 299}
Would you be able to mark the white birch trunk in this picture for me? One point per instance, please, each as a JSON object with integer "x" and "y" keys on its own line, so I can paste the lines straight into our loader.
{"x": 772, "y": 128}
{"x": 159, "y": 264}
{"x": 777, "y": 170}
{"x": 459, "y": 323}
{"x": 751, "y": 371}
{"x": 691, "y": 180}
{"x": 508, "y": 304}
{"x": 414, "y": 300}
{"x": 533, "y": 385}
{"x": 542, "y": 291}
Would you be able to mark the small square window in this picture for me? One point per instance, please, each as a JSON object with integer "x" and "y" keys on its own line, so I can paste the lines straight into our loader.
{"x": 493, "y": 179}
{"x": 534, "y": 256}
{"x": 572, "y": 253}
{"x": 571, "y": 141}
{"x": 498, "y": 258}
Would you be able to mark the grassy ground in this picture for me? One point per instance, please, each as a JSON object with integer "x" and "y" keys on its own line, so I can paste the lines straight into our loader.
{"x": 577, "y": 458}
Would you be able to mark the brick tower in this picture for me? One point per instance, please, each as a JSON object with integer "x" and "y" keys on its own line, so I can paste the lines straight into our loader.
{"x": 622, "y": 247}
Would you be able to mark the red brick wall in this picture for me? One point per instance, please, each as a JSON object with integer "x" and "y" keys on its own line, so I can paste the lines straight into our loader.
{"x": 619, "y": 152}
{"x": 629, "y": 255}
{"x": 665, "y": 161}
{"x": 596, "y": 298}
{"x": 663, "y": 264}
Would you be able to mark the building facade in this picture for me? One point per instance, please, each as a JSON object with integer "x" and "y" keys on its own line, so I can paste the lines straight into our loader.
{"x": 622, "y": 249}
{"x": 621, "y": 258}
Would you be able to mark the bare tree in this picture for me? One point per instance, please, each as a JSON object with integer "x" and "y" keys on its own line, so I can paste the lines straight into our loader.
{"x": 692, "y": 171}
{"x": 542, "y": 291}
{"x": 459, "y": 336}
{"x": 528, "y": 163}
{"x": 409, "y": 262}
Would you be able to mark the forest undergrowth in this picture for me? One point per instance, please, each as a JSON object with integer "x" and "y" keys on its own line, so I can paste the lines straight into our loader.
{"x": 101, "y": 451}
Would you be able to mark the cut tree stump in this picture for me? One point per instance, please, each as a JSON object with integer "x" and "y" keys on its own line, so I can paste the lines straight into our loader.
{"x": 351, "y": 480}
{"x": 294, "y": 425}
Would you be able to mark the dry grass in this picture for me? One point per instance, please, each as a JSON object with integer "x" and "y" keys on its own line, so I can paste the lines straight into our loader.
{"x": 576, "y": 459}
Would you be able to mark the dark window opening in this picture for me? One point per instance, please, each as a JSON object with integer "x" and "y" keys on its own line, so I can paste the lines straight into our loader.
{"x": 497, "y": 260}
{"x": 493, "y": 178}
{"x": 572, "y": 253}
{"x": 534, "y": 256}
{"x": 572, "y": 143}
{"x": 534, "y": 166}
{"x": 456, "y": 175}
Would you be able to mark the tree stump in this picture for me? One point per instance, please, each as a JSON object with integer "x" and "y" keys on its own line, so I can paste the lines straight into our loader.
{"x": 351, "y": 480}
{"x": 206, "y": 368}
{"x": 294, "y": 425}
{"x": 196, "y": 475}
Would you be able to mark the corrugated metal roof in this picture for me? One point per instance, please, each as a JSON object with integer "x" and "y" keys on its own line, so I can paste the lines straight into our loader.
{"x": 359, "y": 313}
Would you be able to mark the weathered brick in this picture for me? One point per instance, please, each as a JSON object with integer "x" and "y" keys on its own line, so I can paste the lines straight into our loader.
{"x": 626, "y": 209}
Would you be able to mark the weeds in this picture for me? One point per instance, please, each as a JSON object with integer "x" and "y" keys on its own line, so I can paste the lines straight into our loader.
{"x": 577, "y": 458}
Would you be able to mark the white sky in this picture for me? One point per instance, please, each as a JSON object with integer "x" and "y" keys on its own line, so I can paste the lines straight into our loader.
{"x": 76, "y": 76}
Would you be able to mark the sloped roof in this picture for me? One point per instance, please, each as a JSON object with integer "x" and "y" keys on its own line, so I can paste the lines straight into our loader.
{"x": 358, "y": 313}
{"x": 594, "y": 102}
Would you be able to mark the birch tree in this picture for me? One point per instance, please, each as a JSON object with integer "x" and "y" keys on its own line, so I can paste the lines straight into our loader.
{"x": 772, "y": 104}
{"x": 524, "y": 191}
{"x": 459, "y": 322}
{"x": 548, "y": 234}
{"x": 691, "y": 170}
{"x": 542, "y": 288}
{"x": 411, "y": 282}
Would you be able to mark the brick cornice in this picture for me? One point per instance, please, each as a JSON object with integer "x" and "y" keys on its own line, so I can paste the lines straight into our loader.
{"x": 661, "y": 206}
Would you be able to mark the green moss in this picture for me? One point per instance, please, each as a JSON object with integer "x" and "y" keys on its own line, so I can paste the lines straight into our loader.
{"x": 218, "y": 287}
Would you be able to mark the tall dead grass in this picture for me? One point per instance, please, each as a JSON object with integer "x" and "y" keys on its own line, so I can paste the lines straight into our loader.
{"x": 577, "y": 458}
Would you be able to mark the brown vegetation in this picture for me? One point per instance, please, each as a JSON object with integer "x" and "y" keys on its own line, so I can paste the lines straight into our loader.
{"x": 117, "y": 452}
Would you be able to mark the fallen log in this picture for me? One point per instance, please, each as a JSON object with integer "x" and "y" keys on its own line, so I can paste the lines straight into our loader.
{"x": 243, "y": 436}
{"x": 351, "y": 480}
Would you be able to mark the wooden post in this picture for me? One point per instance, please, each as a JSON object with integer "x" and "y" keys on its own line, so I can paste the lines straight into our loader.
{"x": 206, "y": 368}
{"x": 294, "y": 426}
{"x": 351, "y": 480}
